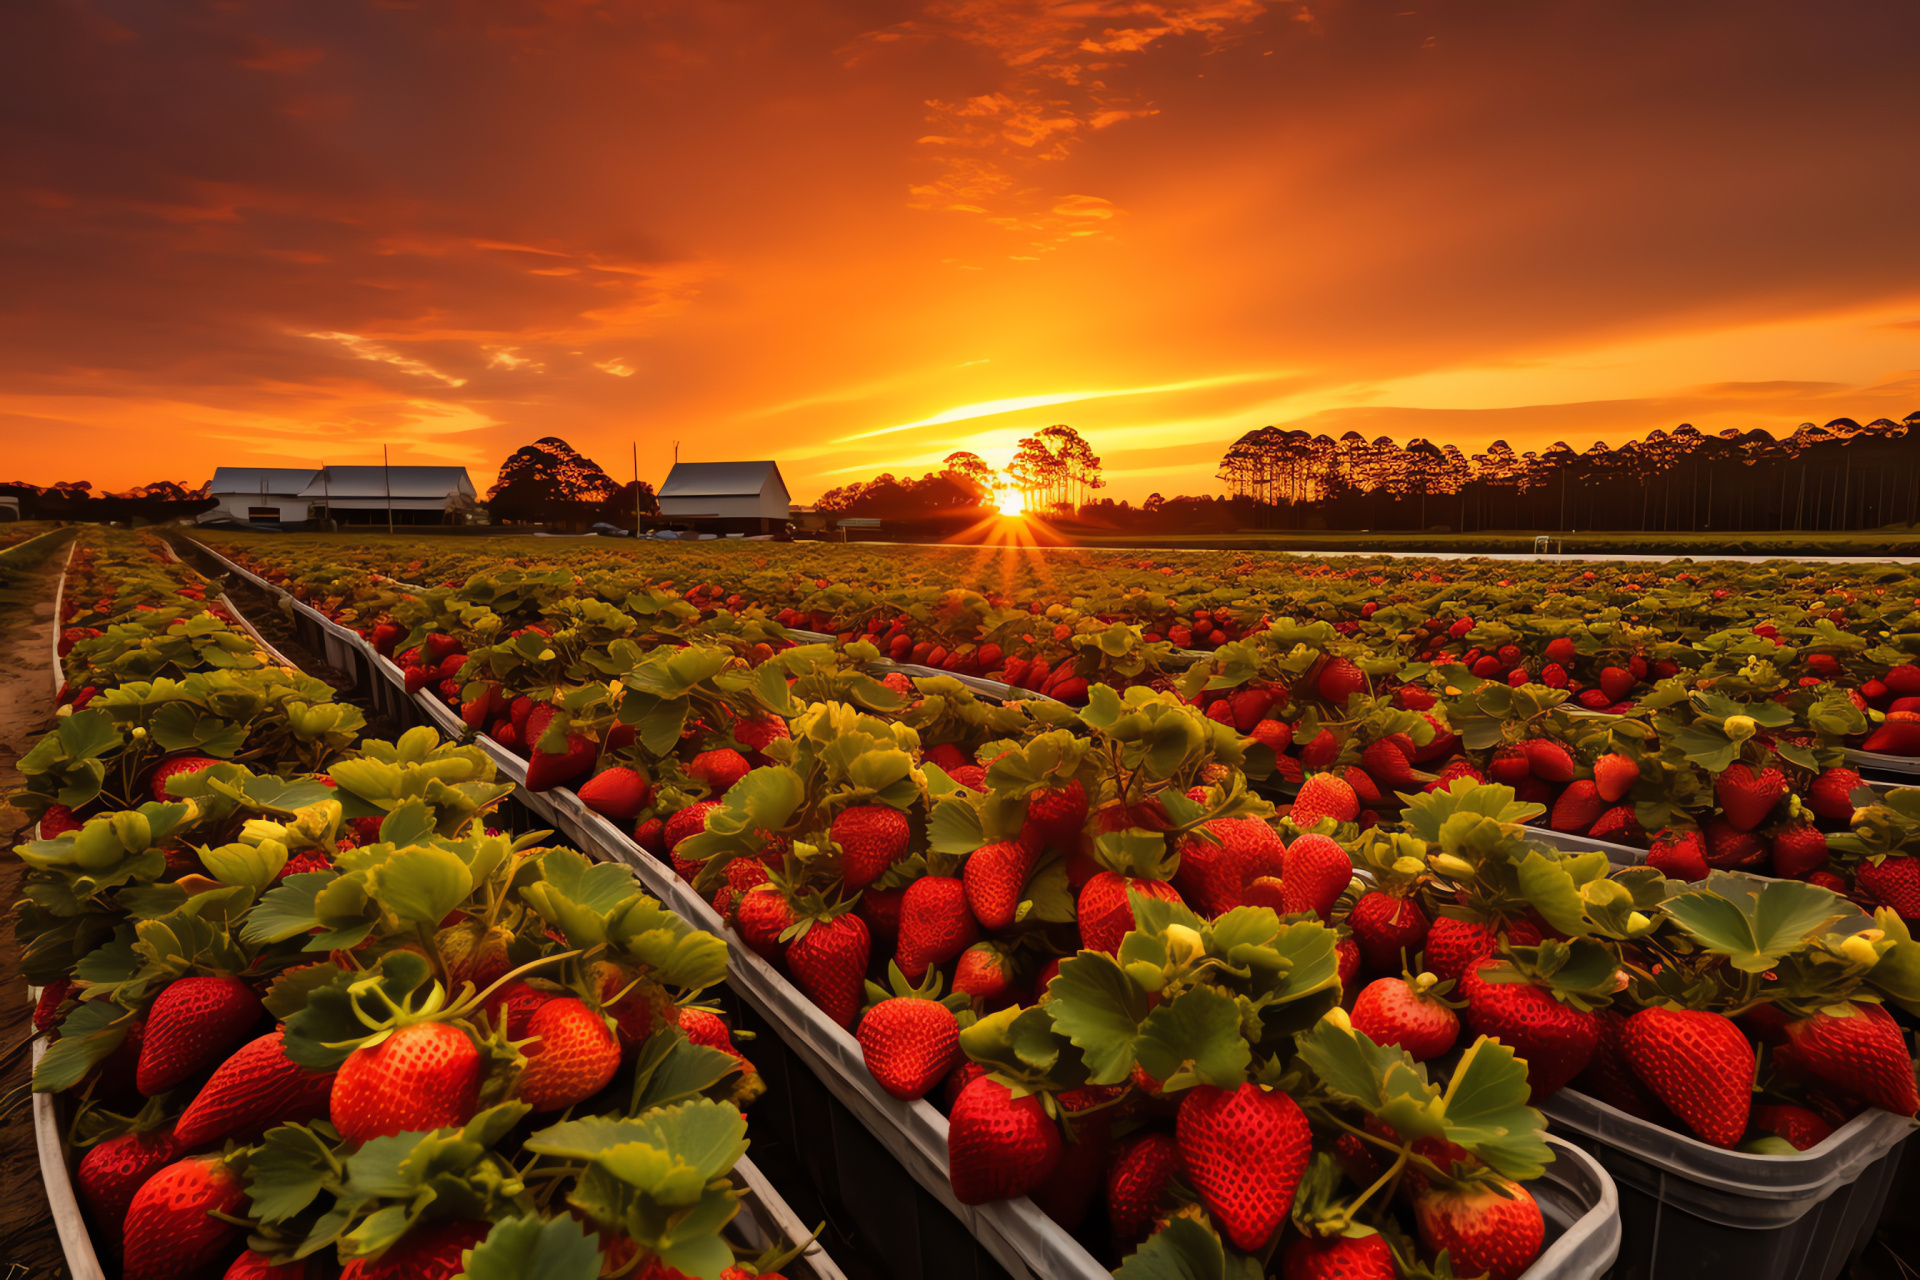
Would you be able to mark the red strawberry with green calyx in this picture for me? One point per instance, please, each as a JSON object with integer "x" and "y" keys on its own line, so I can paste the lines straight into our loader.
{"x": 1318, "y": 871}
{"x": 113, "y": 1171}
{"x": 1556, "y": 1036}
{"x": 909, "y": 1036}
{"x": 994, "y": 876}
{"x": 935, "y": 924}
{"x": 1679, "y": 855}
{"x": 1136, "y": 861}
{"x": 1614, "y": 776}
{"x": 827, "y": 949}
{"x": 414, "y": 1076}
{"x": 1244, "y": 1151}
{"x": 571, "y": 1055}
{"x": 1407, "y": 1012}
{"x": 872, "y": 837}
{"x": 619, "y": 793}
{"x": 1324, "y": 795}
{"x": 1389, "y": 929}
{"x": 999, "y": 1146}
{"x": 1486, "y": 1230}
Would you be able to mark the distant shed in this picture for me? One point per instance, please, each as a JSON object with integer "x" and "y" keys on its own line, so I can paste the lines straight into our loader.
{"x": 727, "y": 497}
{"x": 361, "y": 495}
{"x": 268, "y": 496}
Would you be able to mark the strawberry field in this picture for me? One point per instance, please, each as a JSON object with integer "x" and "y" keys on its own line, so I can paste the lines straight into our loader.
{"x": 1215, "y": 916}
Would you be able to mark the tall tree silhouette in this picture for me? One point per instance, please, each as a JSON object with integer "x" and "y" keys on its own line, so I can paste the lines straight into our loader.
{"x": 550, "y": 482}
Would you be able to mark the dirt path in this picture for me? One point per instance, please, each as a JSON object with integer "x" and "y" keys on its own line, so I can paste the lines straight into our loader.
{"x": 28, "y": 1246}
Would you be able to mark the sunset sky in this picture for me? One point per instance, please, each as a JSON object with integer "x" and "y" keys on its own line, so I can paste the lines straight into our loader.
{"x": 857, "y": 236}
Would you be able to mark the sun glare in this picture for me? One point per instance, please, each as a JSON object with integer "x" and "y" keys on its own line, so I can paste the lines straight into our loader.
{"x": 1012, "y": 503}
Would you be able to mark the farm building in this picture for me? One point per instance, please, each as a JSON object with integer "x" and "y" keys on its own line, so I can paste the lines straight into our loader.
{"x": 289, "y": 498}
{"x": 726, "y": 497}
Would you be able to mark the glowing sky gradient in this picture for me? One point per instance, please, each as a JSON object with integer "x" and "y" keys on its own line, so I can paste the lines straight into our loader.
{"x": 857, "y": 236}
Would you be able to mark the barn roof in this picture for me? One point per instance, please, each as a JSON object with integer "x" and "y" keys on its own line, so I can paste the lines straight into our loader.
{"x": 720, "y": 479}
{"x": 280, "y": 480}
{"x": 371, "y": 482}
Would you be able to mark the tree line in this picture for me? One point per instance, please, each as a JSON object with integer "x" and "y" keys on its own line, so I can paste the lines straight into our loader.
{"x": 1835, "y": 477}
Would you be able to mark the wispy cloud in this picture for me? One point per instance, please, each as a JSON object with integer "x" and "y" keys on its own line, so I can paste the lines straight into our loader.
{"x": 367, "y": 349}
{"x": 1013, "y": 404}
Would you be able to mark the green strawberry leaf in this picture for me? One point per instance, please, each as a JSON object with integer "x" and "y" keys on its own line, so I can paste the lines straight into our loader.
{"x": 288, "y": 1170}
{"x": 1486, "y": 1111}
{"x": 1188, "y": 1250}
{"x": 87, "y": 1035}
{"x": 421, "y": 884}
{"x": 1195, "y": 1036}
{"x": 672, "y": 1069}
{"x": 1099, "y": 1009}
{"x": 532, "y": 1248}
{"x": 1751, "y": 921}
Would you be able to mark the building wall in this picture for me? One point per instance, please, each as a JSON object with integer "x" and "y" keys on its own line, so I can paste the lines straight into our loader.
{"x": 235, "y": 506}
{"x": 748, "y": 506}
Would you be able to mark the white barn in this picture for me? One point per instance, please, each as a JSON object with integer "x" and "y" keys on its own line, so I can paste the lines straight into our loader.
{"x": 727, "y": 497}
{"x": 292, "y": 498}
{"x": 259, "y": 495}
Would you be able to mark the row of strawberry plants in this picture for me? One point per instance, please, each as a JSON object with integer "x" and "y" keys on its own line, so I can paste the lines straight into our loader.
{"x": 1023, "y": 843}
{"x": 1556, "y": 624}
{"x": 304, "y": 1004}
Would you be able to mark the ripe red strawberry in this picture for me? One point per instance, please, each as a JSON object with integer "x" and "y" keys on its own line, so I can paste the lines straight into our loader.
{"x": 1618, "y": 825}
{"x": 971, "y": 776}
{"x": 1679, "y": 855}
{"x": 1863, "y": 1052}
{"x": 1798, "y": 849}
{"x": 1899, "y": 736}
{"x": 948, "y": 756}
{"x": 257, "y": 1266}
{"x": 1699, "y": 1064}
{"x": 758, "y": 733}
{"x": 1323, "y": 795}
{"x": 1548, "y": 760}
{"x": 1577, "y": 809}
{"x": 191, "y": 1025}
{"x": 872, "y": 837}
{"x": 619, "y": 793}
{"x": 1748, "y": 796}
{"x": 46, "y": 1010}
{"x": 424, "y": 1253}
{"x": 548, "y": 769}
{"x": 1617, "y": 683}
{"x": 1484, "y": 1232}
{"x": 1555, "y": 1038}
{"x": 170, "y": 1233}
{"x": 999, "y": 1146}
{"x": 909, "y": 1044}
{"x": 1609, "y": 1077}
{"x": 1389, "y": 765}
{"x": 935, "y": 925}
{"x": 1390, "y": 930}
{"x": 1404, "y": 1012}
{"x": 1730, "y": 847}
{"x": 174, "y": 767}
{"x": 1212, "y": 877}
{"x": 829, "y": 963}
{"x": 1058, "y": 813}
{"x": 719, "y": 769}
{"x": 1797, "y": 1125}
{"x": 1452, "y": 944}
{"x": 57, "y": 821}
{"x": 250, "y": 1092}
{"x": 1137, "y": 1183}
{"x": 572, "y": 1055}
{"x": 1614, "y": 776}
{"x": 1894, "y": 880}
{"x": 1831, "y": 795}
{"x": 985, "y": 973}
{"x": 685, "y": 822}
{"x": 1320, "y": 751}
{"x": 520, "y": 1001}
{"x": 112, "y": 1171}
{"x": 1275, "y": 735}
{"x": 1510, "y": 766}
{"x": 1106, "y": 913}
{"x": 1068, "y": 1192}
{"x": 1339, "y": 680}
{"x": 1318, "y": 871}
{"x": 1243, "y": 1151}
{"x": 742, "y": 874}
{"x": 426, "y": 1075}
{"x": 762, "y": 914}
{"x": 1365, "y": 1257}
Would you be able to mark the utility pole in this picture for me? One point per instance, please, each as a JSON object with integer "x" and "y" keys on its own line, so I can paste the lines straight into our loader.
{"x": 636, "y": 487}
{"x": 386, "y": 468}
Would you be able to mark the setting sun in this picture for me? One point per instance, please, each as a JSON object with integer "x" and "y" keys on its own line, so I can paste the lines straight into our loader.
{"x": 1012, "y": 502}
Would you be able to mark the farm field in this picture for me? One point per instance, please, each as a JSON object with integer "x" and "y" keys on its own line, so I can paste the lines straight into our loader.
{"x": 1219, "y": 913}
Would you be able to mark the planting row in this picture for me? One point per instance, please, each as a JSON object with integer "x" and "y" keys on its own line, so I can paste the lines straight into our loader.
{"x": 309, "y": 1013}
